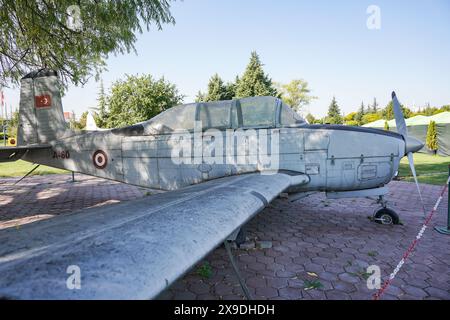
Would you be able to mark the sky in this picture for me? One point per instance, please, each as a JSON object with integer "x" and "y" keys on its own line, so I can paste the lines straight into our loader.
{"x": 326, "y": 43}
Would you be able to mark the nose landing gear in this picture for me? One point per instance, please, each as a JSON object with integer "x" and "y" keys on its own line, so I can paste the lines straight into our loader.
{"x": 385, "y": 215}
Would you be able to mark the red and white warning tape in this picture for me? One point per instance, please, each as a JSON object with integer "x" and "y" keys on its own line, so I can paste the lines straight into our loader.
{"x": 386, "y": 284}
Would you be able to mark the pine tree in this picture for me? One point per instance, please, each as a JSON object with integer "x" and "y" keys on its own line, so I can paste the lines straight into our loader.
{"x": 386, "y": 126}
{"x": 334, "y": 113}
{"x": 254, "y": 82}
{"x": 374, "y": 106}
{"x": 216, "y": 89}
{"x": 102, "y": 115}
{"x": 359, "y": 115}
{"x": 431, "y": 142}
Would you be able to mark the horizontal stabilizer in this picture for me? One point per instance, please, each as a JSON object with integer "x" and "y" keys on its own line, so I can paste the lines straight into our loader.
{"x": 8, "y": 154}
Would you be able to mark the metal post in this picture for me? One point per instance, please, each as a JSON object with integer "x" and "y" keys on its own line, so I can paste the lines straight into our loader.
{"x": 73, "y": 176}
{"x": 446, "y": 230}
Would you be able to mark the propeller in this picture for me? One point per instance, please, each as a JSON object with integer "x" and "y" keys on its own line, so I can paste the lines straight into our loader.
{"x": 412, "y": 144}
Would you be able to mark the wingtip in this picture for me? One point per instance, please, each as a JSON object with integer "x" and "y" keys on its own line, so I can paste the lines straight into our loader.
{"x": 393, "y": 94}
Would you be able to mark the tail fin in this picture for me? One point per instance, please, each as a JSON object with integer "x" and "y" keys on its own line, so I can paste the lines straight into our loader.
{"x": 41, "y": 117}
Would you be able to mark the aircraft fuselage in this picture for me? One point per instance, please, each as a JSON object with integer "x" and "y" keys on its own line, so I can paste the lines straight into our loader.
{"x": 335, "y": 158}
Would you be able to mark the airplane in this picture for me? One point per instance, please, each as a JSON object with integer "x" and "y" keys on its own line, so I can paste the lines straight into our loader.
{"x": 221, "y": 162}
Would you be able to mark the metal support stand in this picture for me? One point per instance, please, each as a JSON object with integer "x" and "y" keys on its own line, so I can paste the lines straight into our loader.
{"x": 446, "y": 230}
{"x": 73, "y": 176}
{"x": 382, "y": 201}
{"x": 244, "y": 287}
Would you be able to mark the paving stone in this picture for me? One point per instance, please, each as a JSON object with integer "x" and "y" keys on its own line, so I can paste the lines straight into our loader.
{"x": 264, "y": 244}
{"x": 247, "y": 245}
{"x": 439, "y": 293}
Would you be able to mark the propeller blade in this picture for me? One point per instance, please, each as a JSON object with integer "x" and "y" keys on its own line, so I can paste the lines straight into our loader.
{"x": 413, "y": 170}
{"x": 398, "y": 114}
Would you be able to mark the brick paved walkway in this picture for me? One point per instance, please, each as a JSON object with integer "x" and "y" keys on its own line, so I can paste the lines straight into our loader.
{"x": 320, "y": 248}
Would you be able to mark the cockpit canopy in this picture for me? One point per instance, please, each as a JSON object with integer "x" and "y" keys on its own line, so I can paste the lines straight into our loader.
{"x": 252, "y": 112}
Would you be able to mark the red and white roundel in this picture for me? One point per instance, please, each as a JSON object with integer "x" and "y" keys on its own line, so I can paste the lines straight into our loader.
{"x": 100, "y": 159}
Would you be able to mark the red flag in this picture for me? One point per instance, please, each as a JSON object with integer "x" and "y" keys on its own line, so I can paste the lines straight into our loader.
{"x": 2, "y": 97}
{"x": 43, "y": 101}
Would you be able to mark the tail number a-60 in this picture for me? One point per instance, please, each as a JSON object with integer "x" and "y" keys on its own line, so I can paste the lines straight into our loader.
{"x": 61, "y": 154}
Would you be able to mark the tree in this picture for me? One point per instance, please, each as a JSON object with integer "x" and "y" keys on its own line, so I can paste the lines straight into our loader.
{"x": 13, "y": 124}
{"x": 374, "y": 106}
{"x": 310, "y": 118}
{"x": 431, "y": 141}
{"x": 386, "y": 126}
{"x": 334, "y": 113}
{"x": 352, "y": 123}
{"x": 74, "y": 37}
{"x": 200, "y": 97}
{"x": 296, "y": 94}
{"x": 350, "y": 116}
{"x": 254, "y": 82}
{"x": 371, "y": 117}
{"x": 139, "y": 98}
{"x": 80, "y": 124}
{"x": 360, "y": 114}
{"x": 388, "y": 112}
{"x": 101, "y": 116}
{"x": 217, "y": 90}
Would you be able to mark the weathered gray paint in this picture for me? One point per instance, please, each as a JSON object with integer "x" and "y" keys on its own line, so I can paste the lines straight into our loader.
{"x": 132, "y": 250}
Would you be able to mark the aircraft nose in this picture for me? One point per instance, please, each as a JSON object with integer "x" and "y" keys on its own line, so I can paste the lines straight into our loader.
{"x": 412, "y": 144}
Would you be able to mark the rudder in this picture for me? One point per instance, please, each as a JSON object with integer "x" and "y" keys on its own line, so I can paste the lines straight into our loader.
{"x": 41, "y": 116}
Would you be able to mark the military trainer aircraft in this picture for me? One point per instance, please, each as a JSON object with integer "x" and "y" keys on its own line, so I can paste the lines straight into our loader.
{"x": 222, "y": 162}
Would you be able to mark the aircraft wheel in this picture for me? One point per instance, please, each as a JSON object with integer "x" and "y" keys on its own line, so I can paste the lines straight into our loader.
{"x": 386, "y": 216}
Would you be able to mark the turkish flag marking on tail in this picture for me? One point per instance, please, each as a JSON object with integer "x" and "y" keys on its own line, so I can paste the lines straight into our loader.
{"x": 43, "y": 101}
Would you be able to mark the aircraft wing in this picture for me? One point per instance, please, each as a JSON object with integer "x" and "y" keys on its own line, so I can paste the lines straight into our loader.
{"x": 132, "y": 250}
{"x": 15, "y": 153}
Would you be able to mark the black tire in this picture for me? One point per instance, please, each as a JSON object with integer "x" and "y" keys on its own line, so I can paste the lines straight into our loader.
{"x": 386, "y": 216}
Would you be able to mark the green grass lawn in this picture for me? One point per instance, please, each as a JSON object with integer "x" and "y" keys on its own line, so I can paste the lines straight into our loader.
{"x": 429, "y": 168}
{"x": 20, "y": 168}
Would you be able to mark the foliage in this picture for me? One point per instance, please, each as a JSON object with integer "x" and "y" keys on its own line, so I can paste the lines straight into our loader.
{"x": 431, "y": 111}
{"x": 254, "y": 82}
{"x": 13, "y": 124}
{"x": 205, "y": 270}
{"x": 388, "y": 112}
{"x": 217, "y": 90}
{"x": 360, "y": 114}
{"x": 350, "y": 116}
{"x": 139, "y": 98}
{"x": 75, "y": 40}
{"x": 200, "y": 97}
{"x": 386, "y": 126}
{"x": 374, "y": 107}
{"x": 80, "y": 124}
{"x": 351, "y": 123}
{"x": 310, "y": 118}
{"x": 431, "y": 141}
{"x": 334, "y": 113}
{"x": 371, "y": 117}
{"x": 101, "y": 116}
{"x": 296, "y": 94}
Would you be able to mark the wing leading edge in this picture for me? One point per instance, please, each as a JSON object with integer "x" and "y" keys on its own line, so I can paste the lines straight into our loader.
{"x": 132, "y": 250}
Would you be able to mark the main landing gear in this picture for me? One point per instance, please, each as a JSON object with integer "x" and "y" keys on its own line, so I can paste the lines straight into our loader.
{"x": 385, "y": 215}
